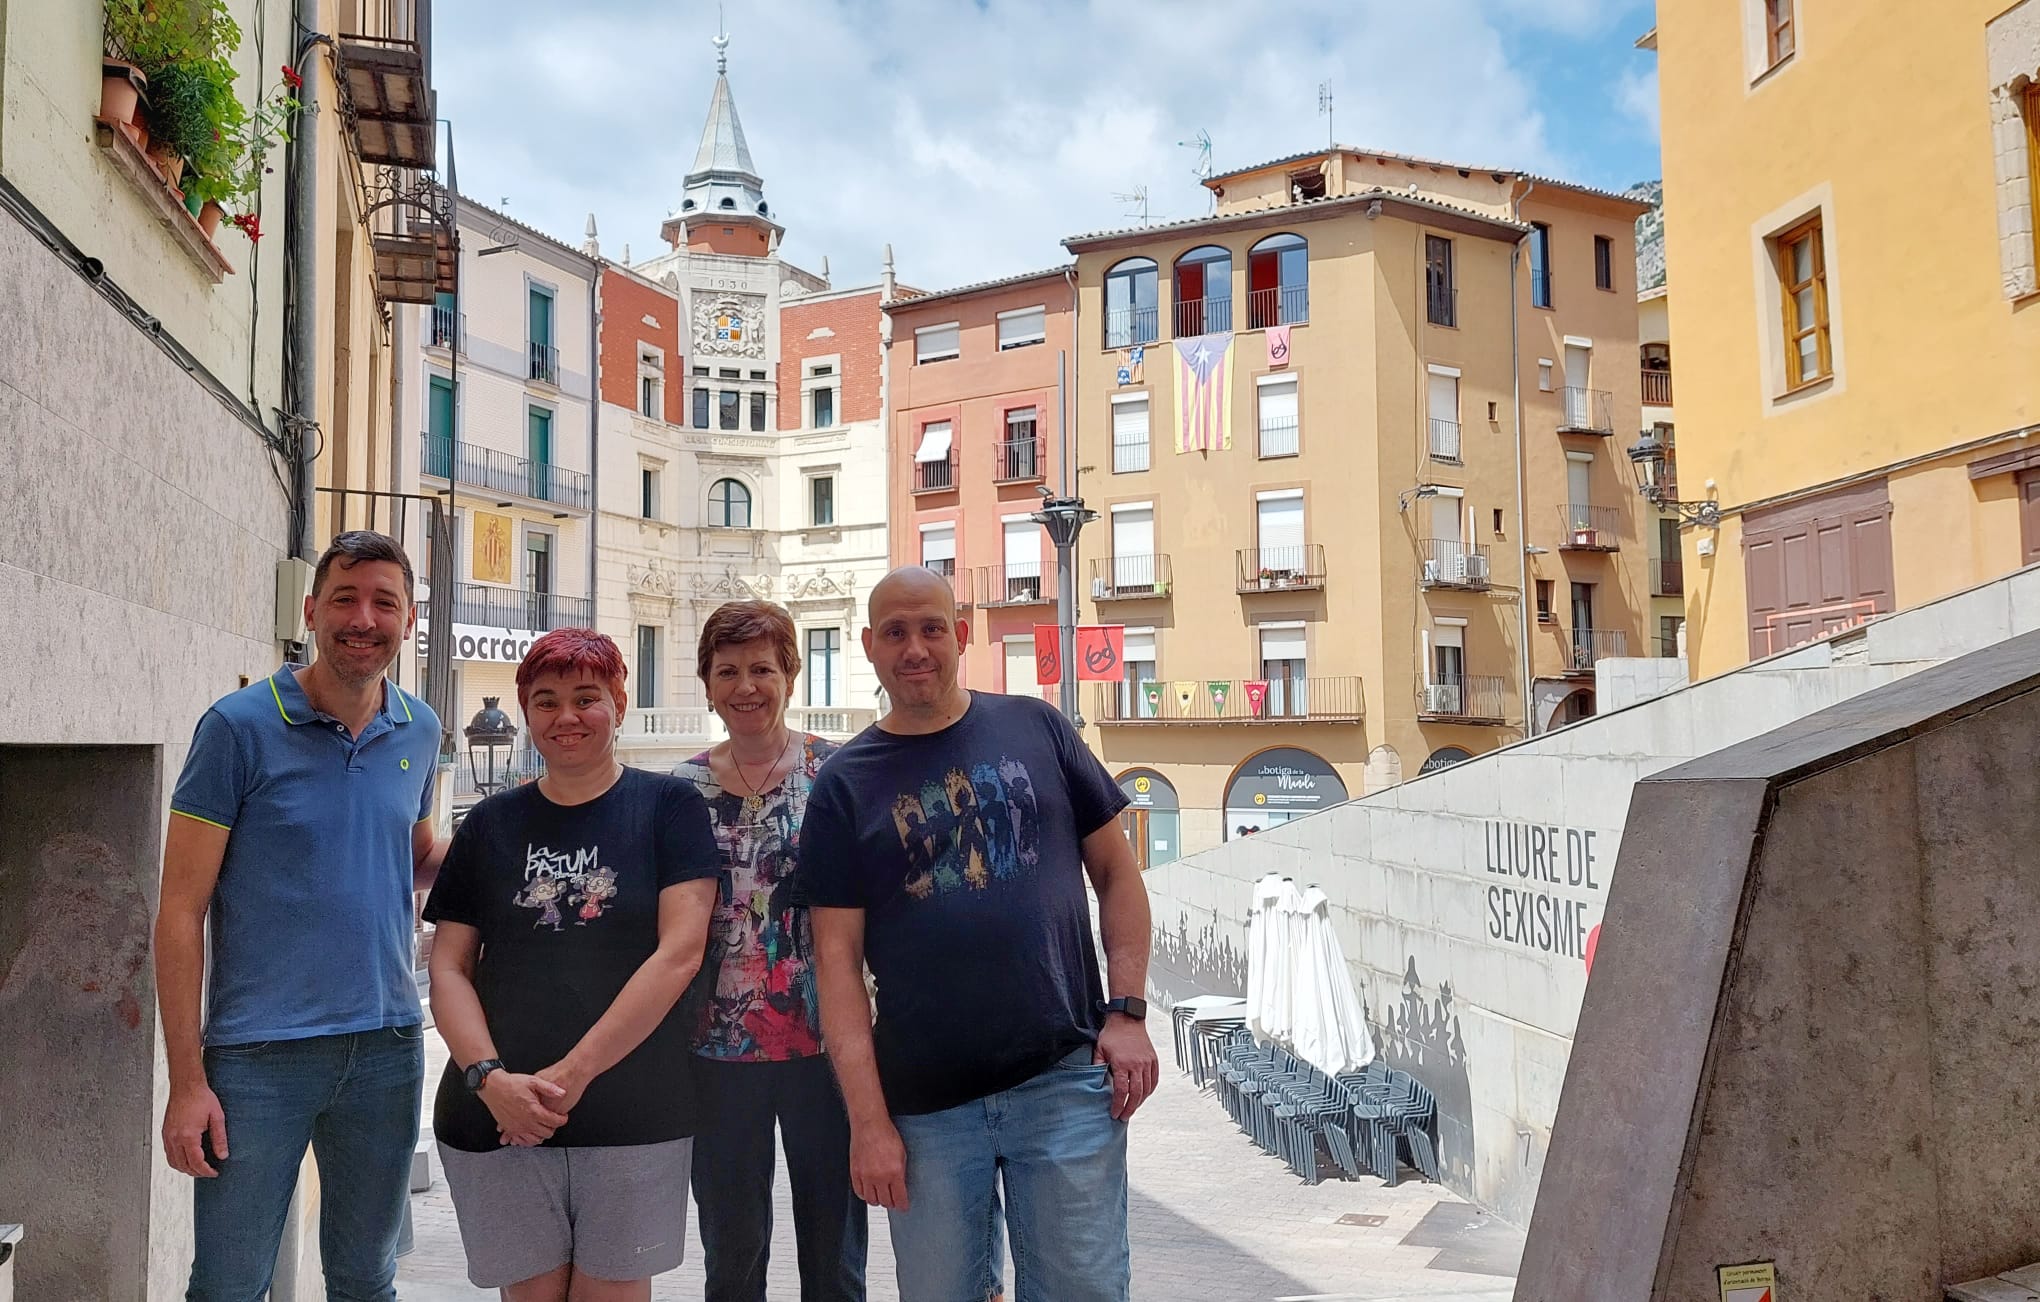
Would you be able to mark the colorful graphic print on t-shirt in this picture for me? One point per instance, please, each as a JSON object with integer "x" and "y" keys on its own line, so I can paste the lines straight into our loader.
{"x": 969, "y": 829}
{"x": 556, "y": 880}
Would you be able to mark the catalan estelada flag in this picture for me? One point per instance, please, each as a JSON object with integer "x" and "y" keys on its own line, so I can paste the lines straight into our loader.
{"x": 1204, "y": 393}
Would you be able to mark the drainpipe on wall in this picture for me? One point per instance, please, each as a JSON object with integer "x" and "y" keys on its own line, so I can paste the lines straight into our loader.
{"x": 1527, "y": 593}
{"x": 301, "y": 214}
{"x": 888, "y": 286}
{"x": 594, "y": 426}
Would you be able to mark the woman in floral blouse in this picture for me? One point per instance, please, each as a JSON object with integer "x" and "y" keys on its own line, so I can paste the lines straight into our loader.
{"x": 759, "y": 1046}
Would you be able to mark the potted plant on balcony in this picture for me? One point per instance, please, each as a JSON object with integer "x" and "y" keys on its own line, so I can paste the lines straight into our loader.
{"x": 143, "y": 37}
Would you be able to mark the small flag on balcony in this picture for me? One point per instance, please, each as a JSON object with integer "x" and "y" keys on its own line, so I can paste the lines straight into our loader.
{"x": 1278, "y": 347}
{"x": 1186, "y": 692}
{"x": 1204, "y": 393}
{"x": 1151, "y": 694}
{"x": 1218, "y": 692}
{"x": 1257, "y": 695}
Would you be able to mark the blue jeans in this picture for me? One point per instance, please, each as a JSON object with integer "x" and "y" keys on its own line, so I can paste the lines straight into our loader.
{"x": 740, "y": 1104}
{"x": 353, "y": 1099}
{"x": 1061, "y": 1159}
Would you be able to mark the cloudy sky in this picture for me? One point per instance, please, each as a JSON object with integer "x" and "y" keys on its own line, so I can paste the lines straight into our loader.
{"x": 972, "y": 135}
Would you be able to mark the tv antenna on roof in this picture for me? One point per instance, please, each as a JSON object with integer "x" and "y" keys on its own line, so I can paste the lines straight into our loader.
{"x": 1324, "y": 106}
{"x": 1202, "y": 144}
{"x": 1136, "y": 198}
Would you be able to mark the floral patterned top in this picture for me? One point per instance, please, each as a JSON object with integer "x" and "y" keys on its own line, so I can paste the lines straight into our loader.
{"x": 765, "y": 1006}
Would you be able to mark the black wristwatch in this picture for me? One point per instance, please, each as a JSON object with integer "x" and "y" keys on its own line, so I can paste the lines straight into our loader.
{"x": 475, "y": 1075}
{"x": 1132, "y": 1006}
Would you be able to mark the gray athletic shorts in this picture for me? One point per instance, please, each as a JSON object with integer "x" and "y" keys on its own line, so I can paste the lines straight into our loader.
{"x": 616, "y": 1213}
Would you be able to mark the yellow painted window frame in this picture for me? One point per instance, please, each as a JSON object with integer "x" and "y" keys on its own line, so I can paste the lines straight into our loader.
{"x": 1789, "y": 289}
{"x": 1778, "y": 17}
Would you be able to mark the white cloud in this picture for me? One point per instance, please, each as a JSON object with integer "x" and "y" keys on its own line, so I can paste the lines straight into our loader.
{"x": 970, "y": 138}
{"x": 1636, "y": 94}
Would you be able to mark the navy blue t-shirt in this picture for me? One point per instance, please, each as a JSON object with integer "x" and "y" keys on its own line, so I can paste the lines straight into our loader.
{"x": 964, "y": 849}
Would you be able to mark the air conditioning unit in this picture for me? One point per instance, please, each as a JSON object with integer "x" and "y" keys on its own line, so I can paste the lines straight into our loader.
{"x": 1432, "y": 572}
{"x": 1476, "y": 568}
{"x": 1441, "y": 698}
{"x": 1458, "y": 568}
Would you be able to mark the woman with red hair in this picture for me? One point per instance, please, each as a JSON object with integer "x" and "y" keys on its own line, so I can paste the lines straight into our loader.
{"x": 572, "y": 914}
{"x": 759, "y": 1040}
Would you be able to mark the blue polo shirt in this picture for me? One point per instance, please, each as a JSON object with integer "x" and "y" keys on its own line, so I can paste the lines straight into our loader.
{"x": 311, "y": 919}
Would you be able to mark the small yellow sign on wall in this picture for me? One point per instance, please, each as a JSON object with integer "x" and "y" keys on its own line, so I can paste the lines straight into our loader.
{"x": 492, "y": 554}
{"x": 1755, "y": 1282}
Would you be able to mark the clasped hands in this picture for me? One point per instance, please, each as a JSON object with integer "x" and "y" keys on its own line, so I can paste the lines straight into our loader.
{"x": 529, "y": 1108}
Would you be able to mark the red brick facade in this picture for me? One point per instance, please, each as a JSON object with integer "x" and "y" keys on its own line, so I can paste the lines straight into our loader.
{"x": 626, "y": 303}
{"x": 852, "y": 323}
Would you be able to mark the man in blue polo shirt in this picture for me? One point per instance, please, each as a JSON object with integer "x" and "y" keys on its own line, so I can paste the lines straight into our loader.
{"x": 300, "y": 827}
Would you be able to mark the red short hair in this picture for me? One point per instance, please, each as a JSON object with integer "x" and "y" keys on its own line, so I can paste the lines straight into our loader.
{"x": 572, "y": 651}
{"x": 737, "y": 622}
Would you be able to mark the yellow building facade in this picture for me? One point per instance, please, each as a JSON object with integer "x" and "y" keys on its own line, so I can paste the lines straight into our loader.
{"x": 1378, "y": 573}
{"x": 1850, "y": 217}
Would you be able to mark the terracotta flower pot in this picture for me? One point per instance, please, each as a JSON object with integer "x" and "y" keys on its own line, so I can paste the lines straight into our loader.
{"x": 169, "y": 163}
{"x": 120, "y": 90}
{"x": 209, "y": 217}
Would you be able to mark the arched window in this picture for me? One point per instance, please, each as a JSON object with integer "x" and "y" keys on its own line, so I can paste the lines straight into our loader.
{"x": 729, "y": 505}
{"x": 1131, "y": 315}
{"x": 1203, "y": 291}
{"x": 1278, "y": 282}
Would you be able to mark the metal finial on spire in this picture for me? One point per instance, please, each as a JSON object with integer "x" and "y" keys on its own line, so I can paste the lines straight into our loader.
{"x": 722, "y": 43}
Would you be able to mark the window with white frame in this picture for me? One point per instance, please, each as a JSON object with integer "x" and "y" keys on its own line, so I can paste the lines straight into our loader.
{"x": 824, "y": 654}
{"x": 650, "y": 489}
{"x": 1447, "y": 667}
{"x": 821, "y": 501}
{"x": 1022, "y": 326}
{"x": 1279, "y": 531}
{"x": 1129, "y": 433}
{"x": 1134, "y": 568}
{"x": 1021, "y": 674}
{"x": 1023, "y": 559}
{"x": 1139, "y": 663}
{"x": 647, "y": 667}
{"x": 938, "y": 343}
{"x": 1442, "y": 397}
{"x": 1278, "y": 423}
{"x": 1284, "y": 667}
{"x": 819, "y": 380}
{"x": 938, "y": 549}
{"x": 651, "y": 384}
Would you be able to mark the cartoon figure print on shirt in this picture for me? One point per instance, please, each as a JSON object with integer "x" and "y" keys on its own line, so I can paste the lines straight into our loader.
{"x": 967, "y": 830}
{"x": 554, "y": 880}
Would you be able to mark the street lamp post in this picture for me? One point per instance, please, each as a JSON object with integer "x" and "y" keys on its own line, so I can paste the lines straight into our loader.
{"x": 1065, "y": 518}
{"x": 1648, "y": 458}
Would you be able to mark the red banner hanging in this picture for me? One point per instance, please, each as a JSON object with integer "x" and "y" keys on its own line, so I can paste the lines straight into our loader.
{"x": 1101, "y": 653}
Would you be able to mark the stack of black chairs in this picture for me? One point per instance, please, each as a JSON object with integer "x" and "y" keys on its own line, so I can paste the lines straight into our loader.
{"x": 1358, "y": 1122}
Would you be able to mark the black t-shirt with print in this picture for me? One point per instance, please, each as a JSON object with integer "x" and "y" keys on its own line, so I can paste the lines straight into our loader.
{"x": 964, "y": 848}
{"x": 566, "y": 898}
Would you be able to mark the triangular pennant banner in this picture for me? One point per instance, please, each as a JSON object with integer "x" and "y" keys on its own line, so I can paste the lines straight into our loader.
{"x": 1257, "y": 695}
{"x": 1186, "y": 692}
{"x": 1218, "y": 692}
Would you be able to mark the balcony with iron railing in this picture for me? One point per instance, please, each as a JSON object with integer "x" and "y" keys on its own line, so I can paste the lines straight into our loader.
{"x": 1130, "y": 578}
{"x": 1444, "y": 440}
{"x": 1017, "y": 461}
{"x": 1281, "y": 569}
{"x": 1584, "y": 647}
{"x": 1587, "y": 528}
{"x": 1127, "y": 326}
{"x": 1463, "y": 698}
{"x": 1586, "y": 411}
{"x": 493, "y": 607}
{"x": 1281, "y": 305}
{"x": 1280, "y": 438}
{"x": 448, "y": 330}
{"x": 1202, "y": 316}
{"x": 545, "y": 364}
{"x": 1012, "y": 585}
{"x": 1667, "y": 577}
{"x": 1450, "y": 564}
{"x": 1657, "y": 387}
{"x": 500, "y": 471}
{"x": 384, "y": 65}
{"x": 1235, "y": 701}
{"x": 937, "y": 476}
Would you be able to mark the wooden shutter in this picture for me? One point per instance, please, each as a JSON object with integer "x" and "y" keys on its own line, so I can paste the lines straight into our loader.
{"x": 1817, "y": 565}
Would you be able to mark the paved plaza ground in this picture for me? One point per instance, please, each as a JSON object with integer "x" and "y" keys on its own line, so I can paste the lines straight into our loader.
{"x": 1213, "y": 1218}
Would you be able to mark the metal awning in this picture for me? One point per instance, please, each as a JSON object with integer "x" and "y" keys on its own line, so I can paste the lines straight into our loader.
{"x": 934, "y": 443}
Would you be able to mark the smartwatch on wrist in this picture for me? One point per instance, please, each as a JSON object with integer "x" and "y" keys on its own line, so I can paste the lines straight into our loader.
{"x": 1132, "y": 1006}
{"x": 475, "y": 1075}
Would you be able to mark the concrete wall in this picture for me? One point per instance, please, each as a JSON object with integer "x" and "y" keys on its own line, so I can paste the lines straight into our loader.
{"x": 1813, "y": 1042}
{"x": 1467, "y": 901}
{"x": 140, "y": 527}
